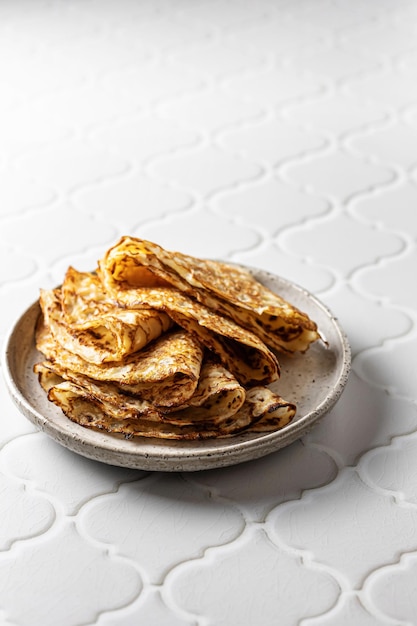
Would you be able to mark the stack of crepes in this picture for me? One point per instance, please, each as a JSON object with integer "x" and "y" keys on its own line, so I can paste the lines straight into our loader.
{"x": 161, "y": 344}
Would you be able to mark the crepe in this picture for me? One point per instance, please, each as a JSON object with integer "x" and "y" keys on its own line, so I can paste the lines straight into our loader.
{"x": 83, "y": 318}
{"x": 166, "y": 372}
{"x": 217, "y": 396}
{"x": 79, "y": 408}
{"x": 269, "y": 411}
{"x": 88, "y": 410}
{"x": 240, "y": 350}
{"x": 229, "y": 290}
{"x": 124, "y": 406}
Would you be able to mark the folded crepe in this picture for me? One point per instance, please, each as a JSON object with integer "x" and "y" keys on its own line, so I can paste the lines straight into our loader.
{"x": 217, "y": 396}
{"x": 240, "y": 350}
{"x": 101, "y": 412}
{"x": 229, "y": 290}
{"x": 83, "y": 318}
{"x": 79, "y": 408}
{"x": 99, "y": 327}
{"x": 165, "y": 372}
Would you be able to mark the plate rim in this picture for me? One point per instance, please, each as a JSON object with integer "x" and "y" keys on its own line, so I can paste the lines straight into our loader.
{"x": 176, "y": 455}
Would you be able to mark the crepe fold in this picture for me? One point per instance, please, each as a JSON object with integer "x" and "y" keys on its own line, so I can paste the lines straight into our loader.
{"x": 219, "y": 408}
{"x": 239, "y": 349}
{"x": 217, "y": 395}
{"x": 145, "y": 313}
{"x": 227, "y": 289}
{"x": 165, "y": 372}
{"x": 82, "y": 317}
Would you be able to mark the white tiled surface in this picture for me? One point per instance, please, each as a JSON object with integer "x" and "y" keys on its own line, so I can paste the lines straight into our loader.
{"x": 281, "y": 134}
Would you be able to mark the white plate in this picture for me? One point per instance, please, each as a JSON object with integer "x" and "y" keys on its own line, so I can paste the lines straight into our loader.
{"x": 314, "y": 381}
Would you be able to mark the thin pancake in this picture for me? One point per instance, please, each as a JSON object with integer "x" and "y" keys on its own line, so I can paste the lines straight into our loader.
{"x": 263, "y": 411}
{"x": 240, "y": 350}
{"x": 228, "y": 289}
{"x": 218, "y": 396}
{"x": 84, "y": 319}
{"x": 124, "y": 406}
{"x": 165, "y": 372}
{"x": 78, "y": 406}
{"x": 269, "y": 411}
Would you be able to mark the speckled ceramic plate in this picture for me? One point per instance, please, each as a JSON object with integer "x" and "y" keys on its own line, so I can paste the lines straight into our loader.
{"x": 314, "y": 381}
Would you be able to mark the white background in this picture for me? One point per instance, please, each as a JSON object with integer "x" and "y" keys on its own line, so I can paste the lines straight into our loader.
{"x": 281, "y": 134}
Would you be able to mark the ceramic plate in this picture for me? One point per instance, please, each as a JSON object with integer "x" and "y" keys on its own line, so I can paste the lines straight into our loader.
{"x": 314, "y": 381}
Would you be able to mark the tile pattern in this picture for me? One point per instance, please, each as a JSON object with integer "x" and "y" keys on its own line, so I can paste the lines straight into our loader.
{"x": 278, "y": 134}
